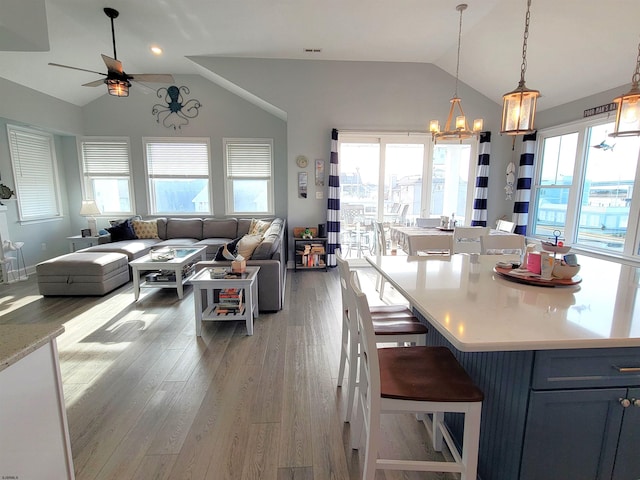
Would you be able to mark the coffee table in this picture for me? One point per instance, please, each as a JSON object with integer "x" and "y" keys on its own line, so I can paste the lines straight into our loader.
{"x": 210, "y": 311}
{"x": 177, "y": 268}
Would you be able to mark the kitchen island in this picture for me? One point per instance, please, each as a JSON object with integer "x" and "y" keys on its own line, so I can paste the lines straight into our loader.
{"x": 34, "y": 435}
{"x": 560, "y": 367}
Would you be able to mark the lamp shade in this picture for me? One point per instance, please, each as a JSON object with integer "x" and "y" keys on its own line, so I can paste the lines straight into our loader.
{"x": 628, "y": 114}
{"x": 118, "y": 88}
{"x": 519, "y": 111}
{"x": 89, "y": 208}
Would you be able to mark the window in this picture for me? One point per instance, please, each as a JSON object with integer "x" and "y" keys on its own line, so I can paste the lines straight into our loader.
{"x": 35, "y": 174}
{"x": 178, "y": 174}
{"x": 106, "y": 172}
{"x": 584, "y": 187}
{"x": 249, "y": 176}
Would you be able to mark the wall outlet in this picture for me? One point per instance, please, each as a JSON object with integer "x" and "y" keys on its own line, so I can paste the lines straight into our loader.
{"x": 44, "y": 247}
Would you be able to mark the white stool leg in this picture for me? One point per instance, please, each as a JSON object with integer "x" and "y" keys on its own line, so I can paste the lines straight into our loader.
{"x": 471, "y": 442}
{"x": 345, "y": 347}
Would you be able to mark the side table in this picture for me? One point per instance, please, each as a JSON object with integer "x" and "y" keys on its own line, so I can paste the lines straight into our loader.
{"x": 248, "y": 282}
{"x": 76, "y": 242}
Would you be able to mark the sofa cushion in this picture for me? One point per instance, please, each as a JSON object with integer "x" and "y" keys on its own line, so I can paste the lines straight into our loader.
{"x": 132, "y": 248}
{"x": 145, "y": 228}
{"x": 121, "y": 231}
{"x": 244, "y": 224}
{"x": 270, "y": 242}
{"x": 259, "y": 227}
{"x": 219, "y": 228}
{"x": 184, "y": 228}
{"x": 248, "y": 244}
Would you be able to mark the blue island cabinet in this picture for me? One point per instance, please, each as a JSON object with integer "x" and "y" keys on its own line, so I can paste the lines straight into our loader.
{"x": 569, "y": 414}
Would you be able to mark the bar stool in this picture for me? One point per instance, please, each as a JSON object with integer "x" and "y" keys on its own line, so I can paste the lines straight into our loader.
{"x": 417, "y": 380}
{"x": 392, "y": 323}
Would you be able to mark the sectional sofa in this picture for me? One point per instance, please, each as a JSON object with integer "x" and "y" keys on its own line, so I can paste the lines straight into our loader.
{"x": 68, "y": 274}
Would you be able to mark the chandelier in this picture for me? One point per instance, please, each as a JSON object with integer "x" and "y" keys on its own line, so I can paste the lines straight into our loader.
{"x": 519, "y": 105}
{"x": 628, "y": 113}
{"x": 460, "y": 129}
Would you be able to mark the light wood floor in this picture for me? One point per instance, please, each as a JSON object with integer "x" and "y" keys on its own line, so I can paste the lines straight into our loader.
{"x": 147, "y": 399}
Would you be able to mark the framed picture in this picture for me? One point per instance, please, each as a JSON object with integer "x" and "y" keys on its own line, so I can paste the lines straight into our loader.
{"x": 320, "y": 173}
{"x": 85, "y": 232}
{"x": 302, "y": 184}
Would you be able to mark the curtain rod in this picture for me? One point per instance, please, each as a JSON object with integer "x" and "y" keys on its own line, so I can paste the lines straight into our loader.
{"x": 383, "y": 132}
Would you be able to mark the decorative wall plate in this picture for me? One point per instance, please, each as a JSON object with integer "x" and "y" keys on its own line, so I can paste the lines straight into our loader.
{"x": 5, "y": 192}
{"x": 302, "y": 161}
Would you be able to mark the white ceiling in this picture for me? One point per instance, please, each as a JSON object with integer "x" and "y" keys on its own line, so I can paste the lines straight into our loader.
{"x": 576, "y": 47}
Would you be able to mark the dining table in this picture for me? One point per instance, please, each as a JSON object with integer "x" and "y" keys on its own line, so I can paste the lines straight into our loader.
{"x": 558, "y": 361}
{"x": 399, "y": 234}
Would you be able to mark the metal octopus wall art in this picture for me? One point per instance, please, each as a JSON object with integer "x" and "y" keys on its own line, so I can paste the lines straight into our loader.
{"x": 176, "y": 112}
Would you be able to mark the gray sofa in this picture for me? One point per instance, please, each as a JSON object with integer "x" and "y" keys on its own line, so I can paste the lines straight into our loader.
{"x": 213, "y": 233}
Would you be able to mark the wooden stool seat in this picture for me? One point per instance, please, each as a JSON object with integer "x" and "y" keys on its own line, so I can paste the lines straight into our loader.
{"x": 398, "y": 326}
{"x": 429, "y": 374}
{"x": 390, "y": 309}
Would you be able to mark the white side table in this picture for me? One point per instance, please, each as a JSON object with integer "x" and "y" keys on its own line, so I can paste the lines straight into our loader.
{"x": 76, "y": 242}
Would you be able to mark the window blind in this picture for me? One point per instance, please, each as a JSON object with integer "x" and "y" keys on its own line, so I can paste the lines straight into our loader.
{"x": 183, "y": 159}
{"x": 33, "y": 166}
{"x": 105, "y": 158}
{"x": 248, "y": 160}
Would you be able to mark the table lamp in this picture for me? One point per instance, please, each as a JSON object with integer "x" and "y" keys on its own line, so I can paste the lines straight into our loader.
{"x": 89, "y": 209}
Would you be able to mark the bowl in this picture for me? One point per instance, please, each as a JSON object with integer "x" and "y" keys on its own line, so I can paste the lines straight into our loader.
{"x": 565, "y": 271}
{"x": 550, "y": 247}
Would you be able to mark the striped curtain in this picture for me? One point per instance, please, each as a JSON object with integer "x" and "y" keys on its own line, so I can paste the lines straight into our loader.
{"x": 523, "y": 185}
{"x": 333, "y": 203}
{"x": 479, "y": 214}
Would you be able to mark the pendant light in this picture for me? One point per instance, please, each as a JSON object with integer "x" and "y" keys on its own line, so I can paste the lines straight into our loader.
{"x": 628, "y": 113}
{"x": 519, "y": 105}
{"x": 461, "y": 129}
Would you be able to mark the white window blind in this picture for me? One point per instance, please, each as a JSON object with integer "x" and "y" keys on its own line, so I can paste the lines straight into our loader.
{"x": 105, "y": 158}
{"x": 183, "y": 159}
{"x": 34, "y": 172}
{"x": 249, "y": 160}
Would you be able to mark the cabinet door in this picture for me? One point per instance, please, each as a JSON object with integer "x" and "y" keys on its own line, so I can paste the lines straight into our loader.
{"x": 627, "y": 460}
{"x": 573, "y": 434}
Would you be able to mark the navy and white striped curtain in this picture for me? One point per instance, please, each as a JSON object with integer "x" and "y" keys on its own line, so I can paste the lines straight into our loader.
{"x": 479, "y": 214}
{"x": 333, "y": 203}
{"x": 523, "y": 186}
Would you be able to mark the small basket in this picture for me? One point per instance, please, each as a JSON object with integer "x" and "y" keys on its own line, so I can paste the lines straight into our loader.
{"x": 162, "y": 255}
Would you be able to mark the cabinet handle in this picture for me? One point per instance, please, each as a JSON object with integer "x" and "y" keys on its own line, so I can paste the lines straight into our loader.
{"x": 635, "y": 402}
{"x": 627, "y": 369}
{"x": 625, "y": 402}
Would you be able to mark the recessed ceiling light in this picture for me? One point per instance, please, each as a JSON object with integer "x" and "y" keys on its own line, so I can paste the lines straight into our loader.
{"x": 312, "y": 50}
{"x": 156, "y": 50}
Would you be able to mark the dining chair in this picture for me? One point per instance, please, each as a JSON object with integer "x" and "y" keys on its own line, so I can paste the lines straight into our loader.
{"x": 380, "y": 249}
{"x": 467, "y": 239}
{"x": 417, "y": 380}
{"x": 438, "y": 244}
{"x": 392, "y": 323}
{"x": 427, "y": 222}
{"x": 506, "y": 243}
{"x": 505, "y": 226}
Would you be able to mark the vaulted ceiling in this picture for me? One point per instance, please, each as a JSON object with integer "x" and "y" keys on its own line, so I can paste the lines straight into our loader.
{"x": 576, "y": 47}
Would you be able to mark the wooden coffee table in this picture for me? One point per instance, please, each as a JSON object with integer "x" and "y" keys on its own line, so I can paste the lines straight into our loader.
{"x": 184, "y": 257}
{"x": 248, "y": 282}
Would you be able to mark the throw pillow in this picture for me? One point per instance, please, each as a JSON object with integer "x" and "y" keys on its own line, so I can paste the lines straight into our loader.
{"x": 232, "y": 246}
{"x": 248, "y": 244}
{"x": 121, "y": 231}
{"x": 145, "y": 228}
{"x": 258, "y": 227}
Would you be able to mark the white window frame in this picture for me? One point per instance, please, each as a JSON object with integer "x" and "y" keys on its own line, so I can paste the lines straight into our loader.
{"x": 29, "y": 196}
{"x": 87, "y": 177}
{"x": 186, "y": 175}
{"x": 229, "y": 204}
{"x": 581, "y": 127}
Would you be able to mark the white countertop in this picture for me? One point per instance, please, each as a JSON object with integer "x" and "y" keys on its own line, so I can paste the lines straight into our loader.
{"x": 18, "y": 341}
{"x": 477, "y": 310}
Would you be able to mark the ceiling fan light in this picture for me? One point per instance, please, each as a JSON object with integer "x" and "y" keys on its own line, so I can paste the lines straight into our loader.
{"x": 118, "y": 88}
{"x": 519, "y": 111}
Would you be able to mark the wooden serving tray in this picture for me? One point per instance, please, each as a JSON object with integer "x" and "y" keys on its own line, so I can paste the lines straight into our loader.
{"x": 555, "y": 282}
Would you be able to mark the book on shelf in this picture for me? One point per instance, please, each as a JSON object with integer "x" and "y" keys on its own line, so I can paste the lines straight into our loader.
{"x": 229, "y": 311}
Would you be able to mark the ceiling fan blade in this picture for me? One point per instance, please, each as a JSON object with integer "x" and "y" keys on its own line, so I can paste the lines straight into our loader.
{"x": 153, "y": 77}
{"x": 112, "y": 64}
{"x": 146, "y": 89}
{"x": 76, "y": 68}
{"x": 95, "y": 83}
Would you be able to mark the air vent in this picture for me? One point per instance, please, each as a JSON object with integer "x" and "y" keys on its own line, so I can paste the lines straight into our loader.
{"x": 312, "y": 50}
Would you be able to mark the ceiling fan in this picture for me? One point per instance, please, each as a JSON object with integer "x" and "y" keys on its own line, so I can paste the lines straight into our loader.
{"x": 117, "y": 81}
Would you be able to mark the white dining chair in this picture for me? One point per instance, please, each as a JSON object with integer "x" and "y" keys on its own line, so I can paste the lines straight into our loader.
{"x": 428, "y": 222}
{"x": 505, "y": 226}
{"x": 392, "y": 323}
{"x": 467, "y": 239}
{"x": 436, "y": 244}
{"x": 505, "y": 243}
{"x": 417, "y": 380}
{"x": 381, "y": 249}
